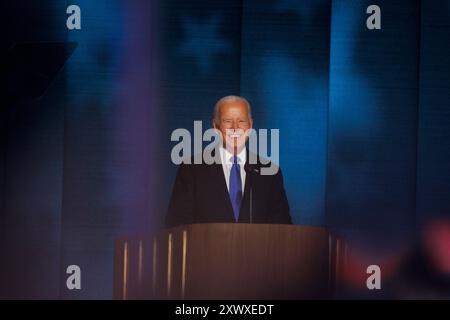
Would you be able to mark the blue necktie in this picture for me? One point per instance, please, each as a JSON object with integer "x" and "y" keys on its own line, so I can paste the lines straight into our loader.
{"x": 235, "y": 187}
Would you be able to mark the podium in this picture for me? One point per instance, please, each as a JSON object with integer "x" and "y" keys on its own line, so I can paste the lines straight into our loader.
{"x": 228, "y": 261}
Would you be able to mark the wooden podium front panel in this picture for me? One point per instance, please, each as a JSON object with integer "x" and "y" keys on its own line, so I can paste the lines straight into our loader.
{"x": 224, "y": 261}
{"x": 256, "y": 262}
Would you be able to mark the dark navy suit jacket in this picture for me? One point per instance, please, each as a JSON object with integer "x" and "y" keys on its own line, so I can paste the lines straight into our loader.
{"x": 200, "y": 195}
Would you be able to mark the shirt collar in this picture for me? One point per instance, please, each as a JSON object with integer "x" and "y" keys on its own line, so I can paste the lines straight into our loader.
{"x": 226, "y": 156}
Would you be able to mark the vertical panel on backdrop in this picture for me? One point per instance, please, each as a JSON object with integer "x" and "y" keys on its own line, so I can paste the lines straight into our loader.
{"x": 200, "y": 59}
{"x": 32, "y": 146}
{"x": 111, "y": 133}
{"x": 284, "y": 74}
{"x": 373, "y": 121}
{"x": 433, "y": 180}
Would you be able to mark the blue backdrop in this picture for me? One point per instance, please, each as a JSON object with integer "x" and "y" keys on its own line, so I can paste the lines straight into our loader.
{"x": 363, "y": 118}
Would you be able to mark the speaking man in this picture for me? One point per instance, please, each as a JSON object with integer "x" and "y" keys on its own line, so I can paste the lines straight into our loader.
{"x": 233, "y": 190}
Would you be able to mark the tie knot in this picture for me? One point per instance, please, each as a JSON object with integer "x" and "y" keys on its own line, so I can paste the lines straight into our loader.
{"x": 235, "y": 159}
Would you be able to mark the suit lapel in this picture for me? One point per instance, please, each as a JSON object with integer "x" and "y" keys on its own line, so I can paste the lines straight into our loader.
{"x": 246, "y": 189}
{"x": 244, "y": 213}
{"x": 225, "y": 205}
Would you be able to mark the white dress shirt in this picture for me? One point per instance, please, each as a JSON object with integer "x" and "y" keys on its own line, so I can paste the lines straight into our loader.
{"x": 227, "y": 162}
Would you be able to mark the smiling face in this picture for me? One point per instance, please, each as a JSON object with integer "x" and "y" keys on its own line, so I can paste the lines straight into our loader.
{"x": 233, "y": 122}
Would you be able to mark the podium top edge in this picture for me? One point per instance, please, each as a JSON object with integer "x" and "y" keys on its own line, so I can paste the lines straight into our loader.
{"x": 222, "y": 227}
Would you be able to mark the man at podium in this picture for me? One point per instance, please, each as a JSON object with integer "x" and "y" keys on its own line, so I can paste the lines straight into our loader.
{"x": 233, "y": 190}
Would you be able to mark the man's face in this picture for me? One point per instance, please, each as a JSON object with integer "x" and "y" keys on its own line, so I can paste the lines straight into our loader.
{"x": 234, "y": 124}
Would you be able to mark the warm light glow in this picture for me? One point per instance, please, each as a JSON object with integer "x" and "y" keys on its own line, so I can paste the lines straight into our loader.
{"x": 125, "y": 271}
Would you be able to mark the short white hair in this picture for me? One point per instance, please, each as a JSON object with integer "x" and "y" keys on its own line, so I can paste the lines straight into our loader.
{"x": 230, "y": 99}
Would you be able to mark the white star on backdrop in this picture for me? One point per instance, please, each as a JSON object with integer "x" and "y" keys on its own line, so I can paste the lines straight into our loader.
{"x": 203, "y": 41}
{"x": 302, "y": 8}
